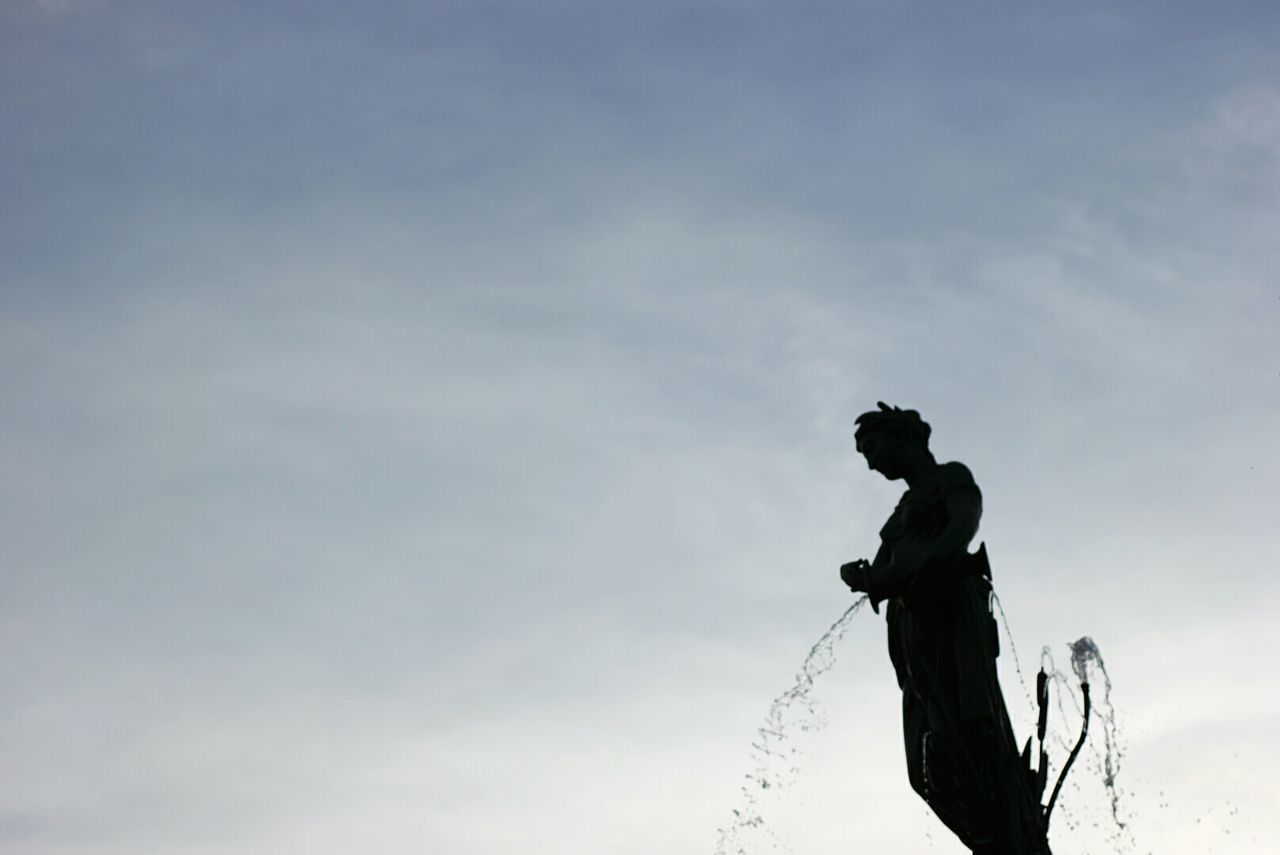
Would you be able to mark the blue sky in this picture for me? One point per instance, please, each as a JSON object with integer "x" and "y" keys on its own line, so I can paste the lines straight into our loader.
{"x": 427, "y": 427}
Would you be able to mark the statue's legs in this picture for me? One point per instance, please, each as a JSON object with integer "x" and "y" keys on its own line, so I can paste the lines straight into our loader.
{"x": 962, "y": 758}
{"x": 931, "y": 769}
{"x": 975, "y": 787}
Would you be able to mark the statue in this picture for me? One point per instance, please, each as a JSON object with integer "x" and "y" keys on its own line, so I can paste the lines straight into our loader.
{"x": 962, "y": 756}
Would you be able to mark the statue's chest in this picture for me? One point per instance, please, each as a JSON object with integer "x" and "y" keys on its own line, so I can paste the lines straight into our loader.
{"x": 919, "y": 514}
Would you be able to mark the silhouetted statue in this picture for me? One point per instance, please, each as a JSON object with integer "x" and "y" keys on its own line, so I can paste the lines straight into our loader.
{"x": 962, "y": 756}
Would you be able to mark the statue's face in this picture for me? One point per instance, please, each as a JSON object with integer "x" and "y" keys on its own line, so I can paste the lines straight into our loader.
{"x": 885, "y": 453}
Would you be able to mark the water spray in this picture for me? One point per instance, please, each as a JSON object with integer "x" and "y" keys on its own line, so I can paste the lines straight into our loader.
{"x": 774, "y": 741}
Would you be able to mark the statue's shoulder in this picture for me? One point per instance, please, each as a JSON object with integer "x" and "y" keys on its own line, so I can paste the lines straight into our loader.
{"x": 945, "y": 479}
{"x": 955, "y": 476}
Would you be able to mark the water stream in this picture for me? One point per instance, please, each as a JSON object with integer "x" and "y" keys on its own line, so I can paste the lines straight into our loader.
{"x": 775, "y": 754}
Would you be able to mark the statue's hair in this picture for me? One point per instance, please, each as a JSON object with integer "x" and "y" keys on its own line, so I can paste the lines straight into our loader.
{"x": 892, "y": 420}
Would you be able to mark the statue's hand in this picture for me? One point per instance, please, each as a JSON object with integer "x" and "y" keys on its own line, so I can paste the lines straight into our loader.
{"x": 854, "y": 574}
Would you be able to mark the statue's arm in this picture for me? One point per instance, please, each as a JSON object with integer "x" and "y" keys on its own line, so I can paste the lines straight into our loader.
{"x": 964, "y": 512}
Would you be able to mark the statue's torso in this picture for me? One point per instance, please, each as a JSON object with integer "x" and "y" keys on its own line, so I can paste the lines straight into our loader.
{"x": 921, "y": 514}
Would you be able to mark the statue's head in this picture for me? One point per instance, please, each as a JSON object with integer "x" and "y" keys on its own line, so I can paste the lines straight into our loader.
{"x": 890, "y": 437}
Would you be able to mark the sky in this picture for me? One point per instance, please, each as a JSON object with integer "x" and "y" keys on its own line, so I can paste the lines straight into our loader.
{"x": 427, "y": 427}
